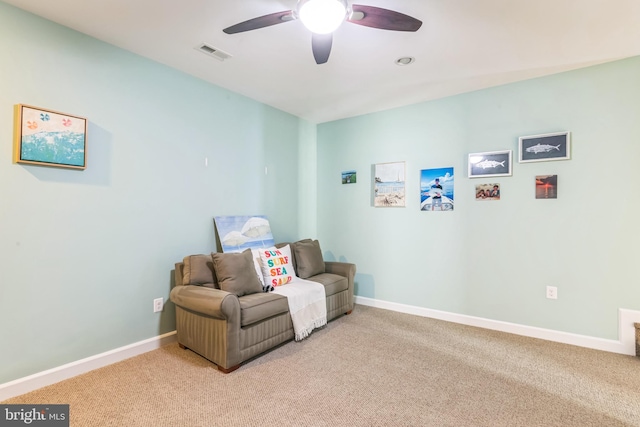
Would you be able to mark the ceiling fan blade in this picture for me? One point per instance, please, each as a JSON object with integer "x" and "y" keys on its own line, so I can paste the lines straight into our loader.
{"x": 321, "y": 45}
{"x": 261, "y": 22}
{"x": 384, "y": 19}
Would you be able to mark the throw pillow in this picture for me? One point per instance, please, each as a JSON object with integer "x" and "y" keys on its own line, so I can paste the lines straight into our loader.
{"x": 308, "y": 256}
{"x": 277, "y": 267}
{"x": 257, "y": 264}
{"x": 197, "y": 270}
{"x": 236, "y": 273}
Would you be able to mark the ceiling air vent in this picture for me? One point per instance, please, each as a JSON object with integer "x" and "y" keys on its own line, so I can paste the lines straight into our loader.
{"x": 213, "y": 51}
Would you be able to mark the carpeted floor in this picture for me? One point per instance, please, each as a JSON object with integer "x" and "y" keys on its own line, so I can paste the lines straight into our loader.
{"x": 372, "y": 368}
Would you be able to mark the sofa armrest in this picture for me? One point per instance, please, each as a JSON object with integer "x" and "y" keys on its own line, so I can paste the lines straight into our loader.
{"x": 347, "y": 270}
{"x": 211, "y": 302}
{"x": 341, "y": 268}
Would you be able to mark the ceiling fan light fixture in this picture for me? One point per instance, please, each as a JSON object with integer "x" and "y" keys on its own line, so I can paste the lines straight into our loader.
{"x": 322, "y": 16}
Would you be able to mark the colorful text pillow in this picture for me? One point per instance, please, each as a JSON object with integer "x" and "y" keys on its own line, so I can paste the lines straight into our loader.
{"x": 257, "y": 264}
{"x": 277, "y": 267}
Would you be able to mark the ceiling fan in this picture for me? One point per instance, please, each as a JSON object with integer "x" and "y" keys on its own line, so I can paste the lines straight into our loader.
{"x": 323, "y": 17}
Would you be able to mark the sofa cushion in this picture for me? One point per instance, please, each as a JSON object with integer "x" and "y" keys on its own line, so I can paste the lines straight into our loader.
{"x": 277, "y": 266}
{"x": 333, "y": 283}
{"x": 235, "y": 273}
{"x": 261, "y": 306}
{"x": 198, "y": 270}
{"x": 308, "y": 257}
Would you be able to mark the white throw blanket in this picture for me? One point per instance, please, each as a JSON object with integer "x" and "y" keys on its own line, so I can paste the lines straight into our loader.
{"x": 307, "y": 305}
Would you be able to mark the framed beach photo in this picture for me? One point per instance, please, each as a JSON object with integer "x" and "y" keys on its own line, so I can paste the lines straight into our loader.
{"x": 491, "y": 163}
{"x": 49, "y": 138}
{"x": 544, "y": 148}
{"x": 389, "y": 185}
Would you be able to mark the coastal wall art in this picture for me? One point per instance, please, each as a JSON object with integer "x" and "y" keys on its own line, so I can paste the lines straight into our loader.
{"x": 491, "y": 163}
{"x": 389, "y": 184}
{"x": 349, "y": 177}
{"x": 547, "y": 187}
{"x": 544, "y": 148}
{"x": 49, "y": 138}
{"x": 436, "y": 189}
{"x": 238, "y": 233}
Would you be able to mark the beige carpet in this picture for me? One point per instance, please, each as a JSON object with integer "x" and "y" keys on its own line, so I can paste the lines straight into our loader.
{"x": 372, "y": 368}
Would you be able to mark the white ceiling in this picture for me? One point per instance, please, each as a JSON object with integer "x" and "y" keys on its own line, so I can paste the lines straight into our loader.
{"x": 463, "y": 45}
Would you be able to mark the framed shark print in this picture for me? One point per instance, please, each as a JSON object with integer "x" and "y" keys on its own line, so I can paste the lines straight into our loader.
{"x": 491, "y": 163}
{"x": 545, "y": 148}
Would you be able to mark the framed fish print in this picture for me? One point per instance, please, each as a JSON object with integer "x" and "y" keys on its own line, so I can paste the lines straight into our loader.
{"x": 491, "y": 163}
{"x": 544, "y": 148}
{"x": 49, "y": 138}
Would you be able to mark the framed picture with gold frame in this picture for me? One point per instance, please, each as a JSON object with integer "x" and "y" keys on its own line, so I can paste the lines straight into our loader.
{"x": 49, "y": 138}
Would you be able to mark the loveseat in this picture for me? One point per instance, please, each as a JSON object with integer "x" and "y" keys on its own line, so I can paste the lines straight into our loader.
{"x": 231, "y": 324}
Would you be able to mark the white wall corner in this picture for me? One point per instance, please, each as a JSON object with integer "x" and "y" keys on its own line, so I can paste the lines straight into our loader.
{"x": 54, "y": 375}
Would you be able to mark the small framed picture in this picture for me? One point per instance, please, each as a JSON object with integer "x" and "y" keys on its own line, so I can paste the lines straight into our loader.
{"x": 488, "y": 191}
{"x": 349, "y": 177}
{"x": 492, "y": 163}
{"x": 49, "y": 138}
{"x": 545, "y": 148}
{"x": 546, "y": 186}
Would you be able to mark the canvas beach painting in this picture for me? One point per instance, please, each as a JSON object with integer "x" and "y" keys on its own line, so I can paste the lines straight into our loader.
{"x": 545, "y": 148}
{"x": 49, "y": 138}
{"x": 389, "y": 185}
{"x": 436, "y": 189}
{"x": 238, "y": 233}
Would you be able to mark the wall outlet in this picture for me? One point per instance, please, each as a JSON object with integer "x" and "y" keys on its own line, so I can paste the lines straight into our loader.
{"x": 158, "y": 305}
{"x": 552, "y": 292}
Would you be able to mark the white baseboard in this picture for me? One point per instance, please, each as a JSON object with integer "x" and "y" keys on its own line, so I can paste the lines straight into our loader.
{"x": 54, "y": 375}
{"x": 624, "y": 345}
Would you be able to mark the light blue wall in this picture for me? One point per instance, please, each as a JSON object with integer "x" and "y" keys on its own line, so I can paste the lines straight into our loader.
{"x": 308, "y": 175}
{"x": 495, "y": 259}
{"x": 84, "y": 253}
